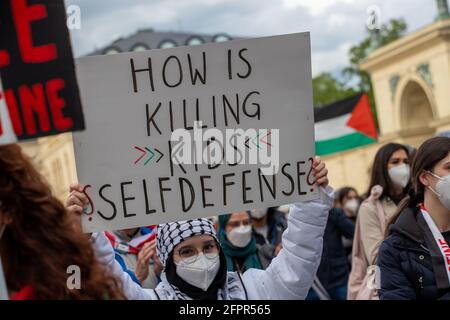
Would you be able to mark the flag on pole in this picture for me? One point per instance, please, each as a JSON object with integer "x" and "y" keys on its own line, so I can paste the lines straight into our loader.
{"x": 344, "y": 125}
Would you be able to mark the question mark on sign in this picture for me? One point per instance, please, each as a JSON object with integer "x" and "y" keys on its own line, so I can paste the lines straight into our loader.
{"x": 91, "y": 203}
{"x": 310, "y": 183}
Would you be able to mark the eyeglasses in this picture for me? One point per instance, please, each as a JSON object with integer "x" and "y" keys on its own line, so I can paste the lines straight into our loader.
{"x": 189, "y": 254}
{"x": 235, "y": 224}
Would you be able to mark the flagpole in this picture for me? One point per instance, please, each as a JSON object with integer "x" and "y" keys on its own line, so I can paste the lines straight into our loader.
{"x": 3, "y": 288}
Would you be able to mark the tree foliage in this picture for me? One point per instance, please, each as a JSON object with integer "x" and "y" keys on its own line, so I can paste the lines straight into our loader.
{"x": 388, "y": 33}
{"x": 328, "y": 89}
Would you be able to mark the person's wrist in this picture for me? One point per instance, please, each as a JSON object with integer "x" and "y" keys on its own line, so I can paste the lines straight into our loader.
{"x": 141, "y": 277}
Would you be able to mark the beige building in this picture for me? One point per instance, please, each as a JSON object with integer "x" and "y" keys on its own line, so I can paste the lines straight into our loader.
{"x": 411, "y": 79}
{"x": 55, "y": 159}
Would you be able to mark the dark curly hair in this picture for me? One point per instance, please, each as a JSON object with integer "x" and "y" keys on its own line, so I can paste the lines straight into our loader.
{"x": 41, "y": 240}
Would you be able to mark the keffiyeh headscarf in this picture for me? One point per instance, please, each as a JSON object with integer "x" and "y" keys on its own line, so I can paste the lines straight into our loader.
{"x": 169, "y": 235}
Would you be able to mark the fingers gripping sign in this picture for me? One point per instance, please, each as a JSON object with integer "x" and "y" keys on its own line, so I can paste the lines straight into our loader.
{"x": 79, "y": 202}
{"x": 89, "y": 208}
{"x": 320, "y": 172}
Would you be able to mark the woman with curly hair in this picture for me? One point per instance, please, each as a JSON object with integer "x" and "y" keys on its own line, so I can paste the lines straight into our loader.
{"x": 39, "y": 240}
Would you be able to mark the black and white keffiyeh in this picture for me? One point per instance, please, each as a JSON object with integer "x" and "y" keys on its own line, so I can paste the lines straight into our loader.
{"x": 232, "y": 290}
{"x": 173, "y": 233}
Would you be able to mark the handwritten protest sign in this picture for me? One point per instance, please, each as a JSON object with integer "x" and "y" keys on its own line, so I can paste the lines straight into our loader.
{"x": 195, "y": 131}
{"x": 40, "y": 94}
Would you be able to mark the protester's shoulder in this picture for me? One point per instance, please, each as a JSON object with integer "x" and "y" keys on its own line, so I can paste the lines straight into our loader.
{"x": 390, "y": 249}
{"x": 336, "y": 211}
{"x": 335, "y": 215}
{"x": 367, "y": 204}
{"x": 276, "y": 217}
{"x": 366, "y": 209}
{"x": 390, "y": 243}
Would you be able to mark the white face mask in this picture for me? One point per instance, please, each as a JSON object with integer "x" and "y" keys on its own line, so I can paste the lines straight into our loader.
{"x": 352, "y": 205}
{"x": 240, "y": 236}
{"x": 442, "y": 189}
{"x": 400, "y": 175}
{"x": 201, "y": 273}
{"x": 258, "y": 214}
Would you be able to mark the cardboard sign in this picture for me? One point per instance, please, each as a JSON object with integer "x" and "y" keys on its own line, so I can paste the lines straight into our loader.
{"x": 37, "y": 71}
{"x": 148, "y": 114}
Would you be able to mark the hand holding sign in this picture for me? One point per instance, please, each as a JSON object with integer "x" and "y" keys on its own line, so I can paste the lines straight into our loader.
{"x": 77, "y": 200}
{"x": 196, "y": 131}
{"x": 320, "y": 172}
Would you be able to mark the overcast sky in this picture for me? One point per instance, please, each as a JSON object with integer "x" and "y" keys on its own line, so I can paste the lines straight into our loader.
{"x": 334, "y": 24}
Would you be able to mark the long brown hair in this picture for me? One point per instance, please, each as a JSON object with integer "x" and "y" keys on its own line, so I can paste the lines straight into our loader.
{"x": 429, "y": 153}
{"x": 41, "y": 241}
{"x": 380, "y": 174}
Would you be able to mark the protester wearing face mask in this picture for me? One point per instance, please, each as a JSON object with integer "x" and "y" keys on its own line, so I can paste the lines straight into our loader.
{"x": 268, "y": 227}
{"x": 389, "y": 183}
{"x": 334, "y": 269}
{"x": 237, "y": 241}
{"x": 348, "y": 200}
{"x": 414, "y": 258}
{"x": 195, "y": 265}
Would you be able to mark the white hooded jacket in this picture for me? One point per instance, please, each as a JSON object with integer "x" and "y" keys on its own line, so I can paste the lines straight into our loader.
{"x": 289, "y": 275}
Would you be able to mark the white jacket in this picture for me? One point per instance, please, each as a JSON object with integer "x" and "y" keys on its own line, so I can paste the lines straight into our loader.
{"x": 289, "y": 275}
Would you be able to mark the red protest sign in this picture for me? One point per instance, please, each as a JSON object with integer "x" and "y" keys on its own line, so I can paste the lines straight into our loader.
{"x": 37, "y": 70}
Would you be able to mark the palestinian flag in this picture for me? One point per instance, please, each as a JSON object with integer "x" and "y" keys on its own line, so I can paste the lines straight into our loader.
{"x": 344, "y": 125}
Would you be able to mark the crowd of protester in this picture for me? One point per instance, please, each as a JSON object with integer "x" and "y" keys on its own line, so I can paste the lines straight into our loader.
{"x": 389, "y": 242}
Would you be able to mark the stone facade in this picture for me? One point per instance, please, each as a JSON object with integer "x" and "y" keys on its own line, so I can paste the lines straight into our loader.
{"x": 411, "y": 80}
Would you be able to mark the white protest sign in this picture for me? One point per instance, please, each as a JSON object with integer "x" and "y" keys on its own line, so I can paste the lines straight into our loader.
{"x": 195, "y": 131}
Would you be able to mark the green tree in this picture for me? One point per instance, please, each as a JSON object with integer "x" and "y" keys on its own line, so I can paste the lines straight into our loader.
{"x": 388, "y": 32}
{"x": 327, "y": 89}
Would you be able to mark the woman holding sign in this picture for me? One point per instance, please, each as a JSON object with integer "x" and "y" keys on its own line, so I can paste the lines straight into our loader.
{"x": 414, "y": 260}
{"x": 195, "y": 265}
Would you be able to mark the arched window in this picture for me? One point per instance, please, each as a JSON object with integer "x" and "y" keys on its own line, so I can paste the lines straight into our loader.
{"x": 140, "y": 47}
{"x": 111, "y": 50}
{"x": 194, "y": 40}
{"x": 165, "y": 44}
{"x": 415, "y": 106}
{"x": 222, "y": 37}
